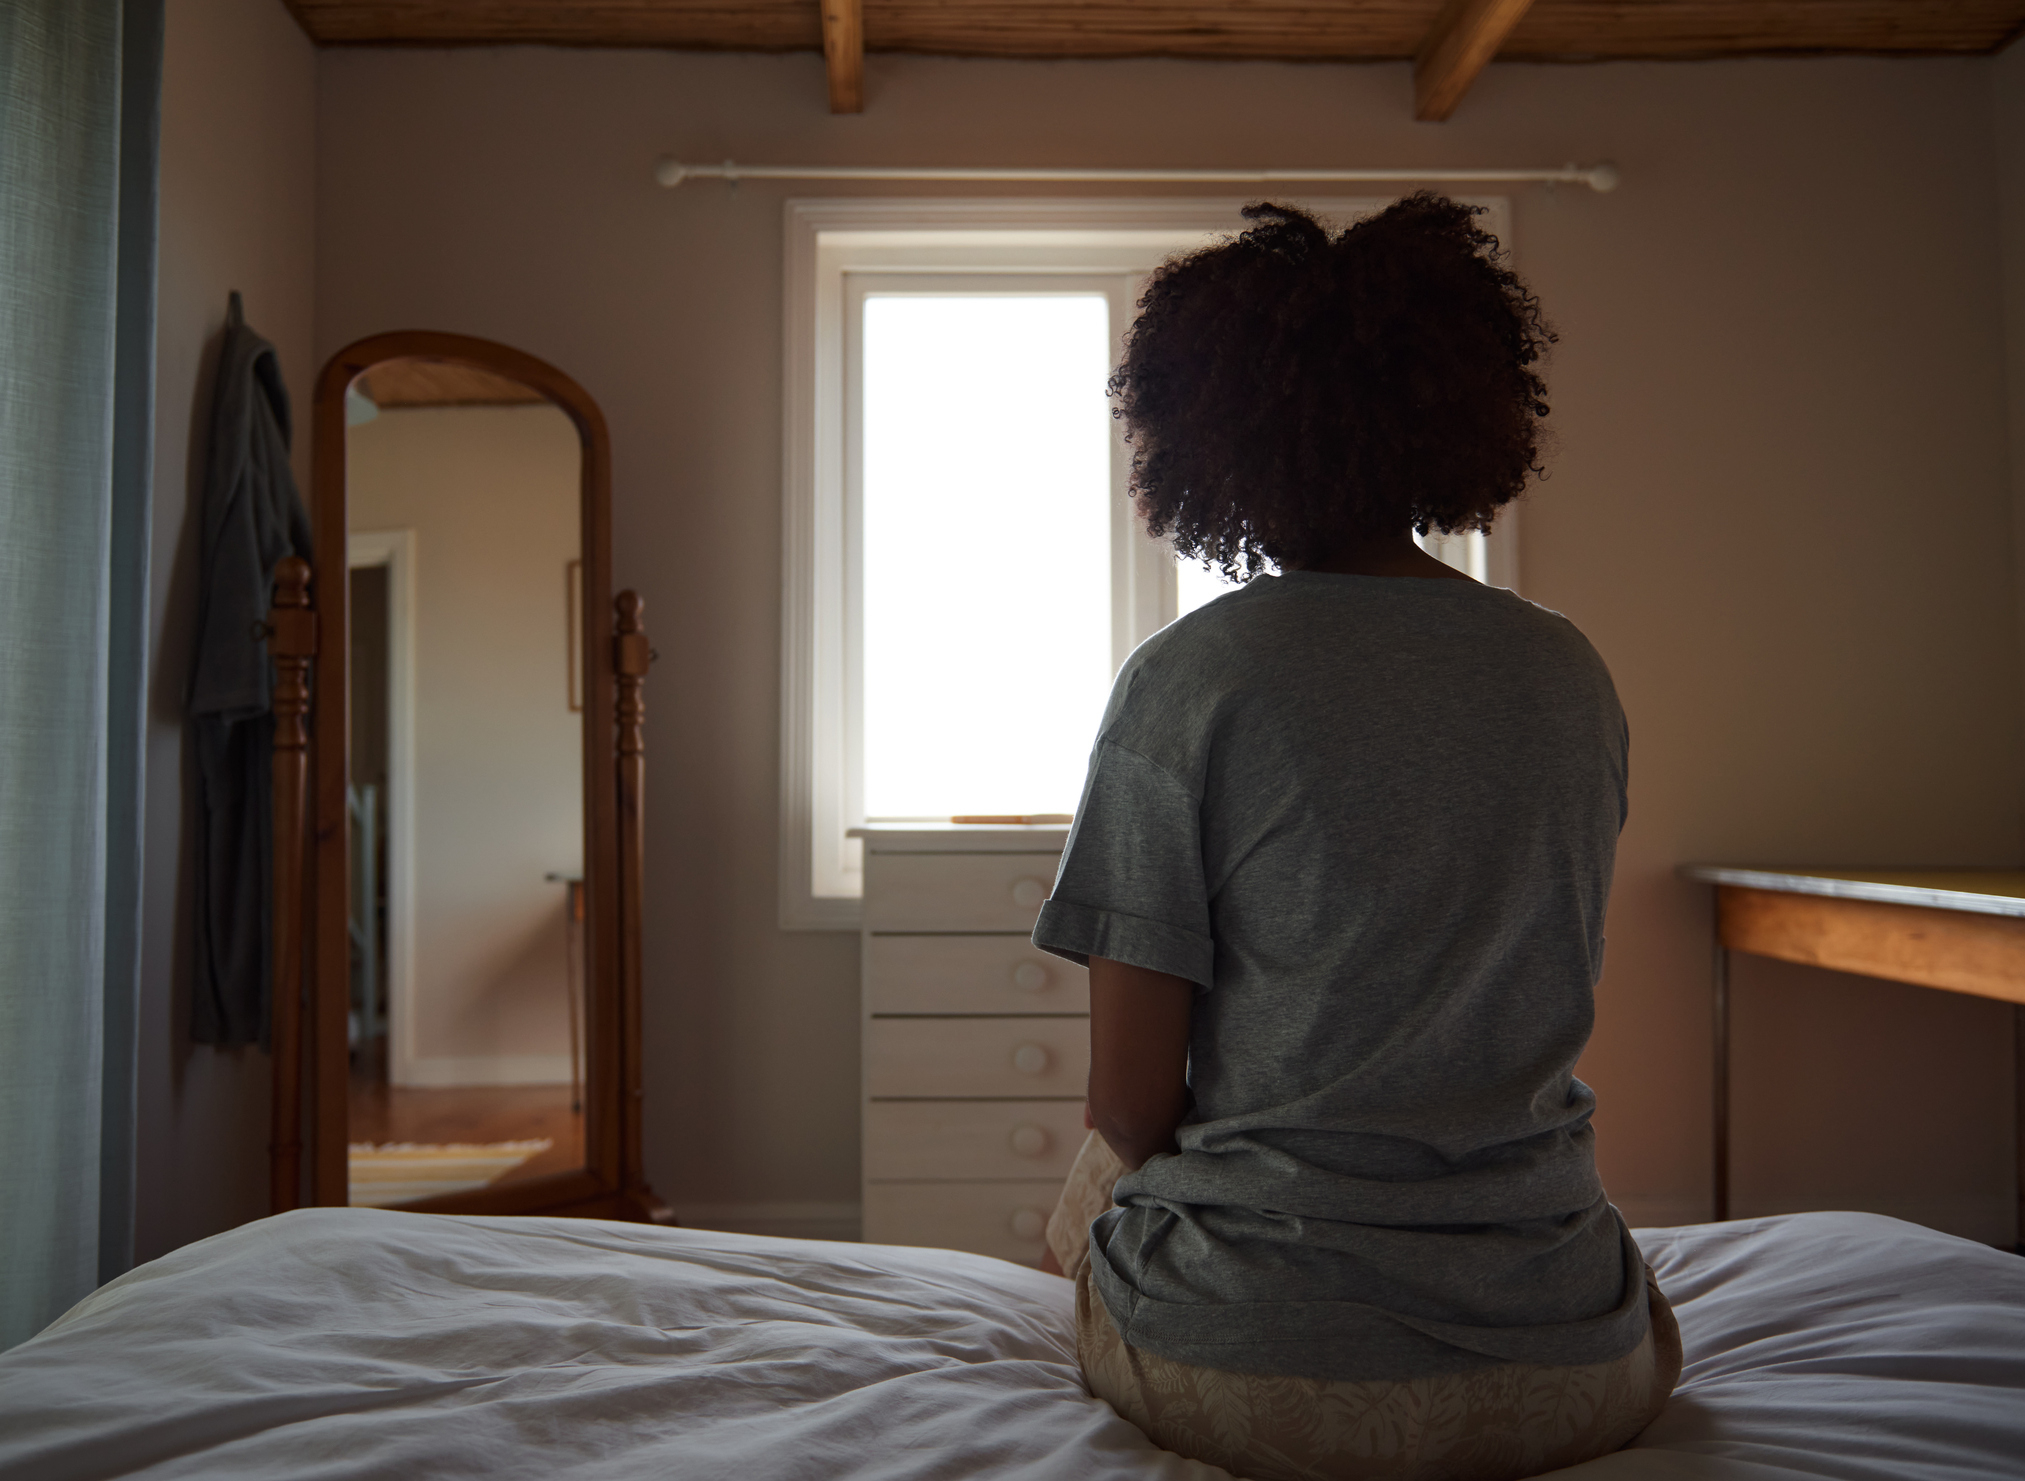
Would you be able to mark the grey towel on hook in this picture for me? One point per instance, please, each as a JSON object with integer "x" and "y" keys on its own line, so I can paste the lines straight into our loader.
{"x": 253, "y": 518}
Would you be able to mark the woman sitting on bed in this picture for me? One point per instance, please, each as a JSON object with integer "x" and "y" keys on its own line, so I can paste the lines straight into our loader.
{"x": 1339, "y": 875}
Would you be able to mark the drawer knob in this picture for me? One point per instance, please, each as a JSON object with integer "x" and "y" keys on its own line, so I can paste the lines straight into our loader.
{"x": 1029, "y": 893}
{"x": 1030, "y": 977}
{"x": 1029, "y": 1223}
{"x": 1030, "y": 1141}
{"x": 1030, "y": 1059}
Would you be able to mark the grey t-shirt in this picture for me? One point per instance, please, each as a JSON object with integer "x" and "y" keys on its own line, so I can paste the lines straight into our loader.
{"x": 1374, "y": 819}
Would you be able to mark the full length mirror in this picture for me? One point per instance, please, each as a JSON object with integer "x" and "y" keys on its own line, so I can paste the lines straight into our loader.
{"x": 465, "y": 784}
{"x": 477, "y": 766}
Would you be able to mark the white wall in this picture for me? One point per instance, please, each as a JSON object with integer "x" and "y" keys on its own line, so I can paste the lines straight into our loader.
{"x": 1780, "y": 508}
{"x": 238, "y": 210}
{"x": 490, "y": 494}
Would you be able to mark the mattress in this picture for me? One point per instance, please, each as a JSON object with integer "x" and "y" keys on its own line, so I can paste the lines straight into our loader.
{"x": 366, "y": 1343}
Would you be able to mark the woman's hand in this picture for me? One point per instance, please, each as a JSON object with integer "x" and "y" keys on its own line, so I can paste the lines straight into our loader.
{"x": 1138, "y": 1057}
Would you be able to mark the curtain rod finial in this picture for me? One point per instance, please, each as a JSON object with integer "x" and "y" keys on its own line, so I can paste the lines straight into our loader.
{"x": 669, "y": 171}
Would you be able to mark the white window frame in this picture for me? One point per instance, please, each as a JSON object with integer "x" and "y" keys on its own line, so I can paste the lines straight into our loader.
{"x": 827, "y": 244}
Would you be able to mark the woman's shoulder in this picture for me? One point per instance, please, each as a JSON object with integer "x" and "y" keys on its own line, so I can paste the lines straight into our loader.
{"x": 1280, "y": 636}
{"x": 1171, "y": 688}
{"x": 1197, "y": 652}
{"x": 1550, "y": 631}
{"x": 1273, "y": 615}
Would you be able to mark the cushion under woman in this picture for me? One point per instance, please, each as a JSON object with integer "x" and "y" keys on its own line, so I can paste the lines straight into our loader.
{"x": 1339, "y": 874}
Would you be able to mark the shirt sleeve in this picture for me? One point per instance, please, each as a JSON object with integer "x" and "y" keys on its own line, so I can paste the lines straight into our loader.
{"x": 1131, "y": 885}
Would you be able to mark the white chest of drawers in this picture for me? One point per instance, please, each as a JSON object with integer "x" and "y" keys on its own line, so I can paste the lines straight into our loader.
{"x": 976, "y": 1046}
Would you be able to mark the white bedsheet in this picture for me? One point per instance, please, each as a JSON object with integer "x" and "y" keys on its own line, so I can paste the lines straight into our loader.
{"x": 360, "y": 1343}
{"x": 1848, "y": 1346}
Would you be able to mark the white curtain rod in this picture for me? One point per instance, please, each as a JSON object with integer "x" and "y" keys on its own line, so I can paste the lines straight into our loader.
{"x": 1601, "y": 178}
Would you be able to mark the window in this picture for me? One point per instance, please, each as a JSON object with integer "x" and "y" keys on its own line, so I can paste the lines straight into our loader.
{"x": 983, "y": 481}
{"x": 963, "y": 572}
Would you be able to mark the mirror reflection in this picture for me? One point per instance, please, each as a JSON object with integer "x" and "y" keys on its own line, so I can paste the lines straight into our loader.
{"x": 465, "y": 783}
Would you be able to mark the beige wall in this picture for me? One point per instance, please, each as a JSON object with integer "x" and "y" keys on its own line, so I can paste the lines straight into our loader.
{"x": 1780, "y": 509}
{"x": 237, "y": 211}
{"x": 489, "y": 494}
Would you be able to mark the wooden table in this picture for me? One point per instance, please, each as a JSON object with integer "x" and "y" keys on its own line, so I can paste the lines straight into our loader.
{"x": 1960, "y": 930}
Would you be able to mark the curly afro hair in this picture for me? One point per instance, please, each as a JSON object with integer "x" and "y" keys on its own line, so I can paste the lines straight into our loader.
{"x": 1288, "y": 391}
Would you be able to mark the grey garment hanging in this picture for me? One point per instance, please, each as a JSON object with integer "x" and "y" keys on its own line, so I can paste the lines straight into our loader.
{"x": 253, "y": 518}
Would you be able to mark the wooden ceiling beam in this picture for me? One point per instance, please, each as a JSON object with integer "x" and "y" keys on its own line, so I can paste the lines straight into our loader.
{"x": 844, "y": 53}
{"x": 1459, "y": 45}
{"x": 1252, "y": 30}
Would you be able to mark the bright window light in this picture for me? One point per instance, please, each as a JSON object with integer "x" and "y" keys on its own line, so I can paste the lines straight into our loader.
{"x": 1195, "y": 585}
{"x": 986, "y": 550}
{"x": 1466, "y": 552}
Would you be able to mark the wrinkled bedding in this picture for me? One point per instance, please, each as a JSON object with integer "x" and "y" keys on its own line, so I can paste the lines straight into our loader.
{"x": 364, "y": 1343}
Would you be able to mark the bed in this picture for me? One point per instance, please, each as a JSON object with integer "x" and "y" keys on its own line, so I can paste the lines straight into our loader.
{"x": 333, "y": 1343}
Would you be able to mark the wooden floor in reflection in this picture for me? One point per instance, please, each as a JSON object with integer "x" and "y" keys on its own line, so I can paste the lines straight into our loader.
{"x": 382, "y": 1113}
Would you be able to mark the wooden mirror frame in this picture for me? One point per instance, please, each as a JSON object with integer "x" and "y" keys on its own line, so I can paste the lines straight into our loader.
{"x": 614, "y": 660}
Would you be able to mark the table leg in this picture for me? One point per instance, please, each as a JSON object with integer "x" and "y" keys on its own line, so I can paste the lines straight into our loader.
{"x": 1720, "y": 973}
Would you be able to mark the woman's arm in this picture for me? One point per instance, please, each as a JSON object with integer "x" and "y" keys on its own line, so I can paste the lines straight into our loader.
{"x": 1138, "y": 1057}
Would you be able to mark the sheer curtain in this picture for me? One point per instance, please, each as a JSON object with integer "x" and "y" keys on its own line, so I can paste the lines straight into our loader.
{"x": 61, "y": 687}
